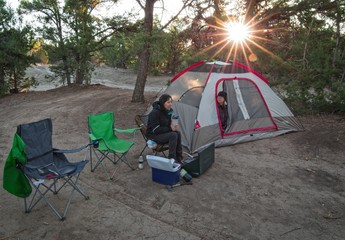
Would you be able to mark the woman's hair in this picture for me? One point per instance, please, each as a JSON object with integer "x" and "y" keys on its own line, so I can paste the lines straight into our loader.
{"x": 163, "y": 99}
{"x": 223, "y": 94}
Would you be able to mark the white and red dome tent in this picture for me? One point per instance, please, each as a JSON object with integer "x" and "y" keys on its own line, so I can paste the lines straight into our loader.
{"x": 255, "y": 111}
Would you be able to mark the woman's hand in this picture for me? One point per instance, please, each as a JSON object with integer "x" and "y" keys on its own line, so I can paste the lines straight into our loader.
{"x": 174, "y": 127}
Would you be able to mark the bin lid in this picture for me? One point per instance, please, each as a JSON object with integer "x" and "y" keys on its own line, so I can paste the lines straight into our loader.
{"x": 163, "y": 163}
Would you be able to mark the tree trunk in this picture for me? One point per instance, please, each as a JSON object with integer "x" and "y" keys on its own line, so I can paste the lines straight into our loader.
{"x": 343, "y": 76}
{"x": 2, "y": 76}
{"x": 81, "y": 74}
{"x": 305, "y": 59}
{"x": 250, "y": 10}
{"x": 66, "y": 70}
{"x": 337, "y": 44}
{"x": 138, "y": 93}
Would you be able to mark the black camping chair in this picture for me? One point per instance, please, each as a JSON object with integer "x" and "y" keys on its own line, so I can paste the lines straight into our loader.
{"x": 48, "y": 169}
{"x": 141, "y": 121}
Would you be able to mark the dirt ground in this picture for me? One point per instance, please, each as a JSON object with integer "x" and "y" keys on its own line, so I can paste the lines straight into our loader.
{"x": 287, "y": 187}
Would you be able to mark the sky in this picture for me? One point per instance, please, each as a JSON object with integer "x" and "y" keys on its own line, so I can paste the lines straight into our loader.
{"x": 171, "y": 6}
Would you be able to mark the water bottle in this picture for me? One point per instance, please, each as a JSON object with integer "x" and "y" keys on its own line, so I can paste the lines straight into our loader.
{"x": 141, "y": 162}
{"x": 174, "y": 119}
{"x": 185, "y": 175}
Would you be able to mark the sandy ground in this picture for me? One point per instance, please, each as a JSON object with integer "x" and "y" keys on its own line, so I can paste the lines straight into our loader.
{"x": 105, "y": 75}
{"x": 287, "y": 187}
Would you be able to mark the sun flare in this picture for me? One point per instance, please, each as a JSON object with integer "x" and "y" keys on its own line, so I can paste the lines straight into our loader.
{"x": 237, "y": 32}
{"x": 239, "y": 40}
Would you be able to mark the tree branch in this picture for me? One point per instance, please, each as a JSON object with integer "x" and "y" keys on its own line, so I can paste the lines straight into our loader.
{"x": 140, "y": 4}
{"x": 185, "y": 4}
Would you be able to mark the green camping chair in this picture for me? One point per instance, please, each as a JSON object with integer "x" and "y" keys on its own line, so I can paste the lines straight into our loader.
{"x": 106, "y": 145}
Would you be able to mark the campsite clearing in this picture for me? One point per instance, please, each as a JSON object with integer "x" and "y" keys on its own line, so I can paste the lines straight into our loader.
{"x": 288, "y": 187}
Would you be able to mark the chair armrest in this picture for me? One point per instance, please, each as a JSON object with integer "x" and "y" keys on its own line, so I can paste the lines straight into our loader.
{"x": 129, "y": 130}
{"x": 93, "y": 137}
{"x": 72, "y": 150}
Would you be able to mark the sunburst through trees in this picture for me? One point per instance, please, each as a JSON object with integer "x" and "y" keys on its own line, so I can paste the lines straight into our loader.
{"x": 235, "y": 40}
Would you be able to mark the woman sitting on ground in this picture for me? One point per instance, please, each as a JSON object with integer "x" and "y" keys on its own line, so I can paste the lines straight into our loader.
{"x": 160, "y": 129}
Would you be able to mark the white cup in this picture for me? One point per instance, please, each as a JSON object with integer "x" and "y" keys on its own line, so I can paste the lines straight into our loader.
{"x": 174, "y": 121}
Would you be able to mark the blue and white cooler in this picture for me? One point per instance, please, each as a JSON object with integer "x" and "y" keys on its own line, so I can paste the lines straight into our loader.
{"x": 164, "y": 171}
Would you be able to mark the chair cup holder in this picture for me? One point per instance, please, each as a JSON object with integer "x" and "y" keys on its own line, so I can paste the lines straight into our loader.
{"x": 95, "y": 144}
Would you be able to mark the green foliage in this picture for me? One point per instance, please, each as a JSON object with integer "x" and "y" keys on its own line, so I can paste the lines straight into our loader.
{"x": 4, "y": 89}
{"x": 166, "y": 49}
{"x": 74, "y": 33}
{"x": 307, "y": 101}
{"x": 121, "y": 51}
{"x": 15, "y": 44}
{"x": 311, "y": 81}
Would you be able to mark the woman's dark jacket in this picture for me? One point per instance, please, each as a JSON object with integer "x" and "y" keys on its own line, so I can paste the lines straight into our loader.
{"x": 159, "y": 120}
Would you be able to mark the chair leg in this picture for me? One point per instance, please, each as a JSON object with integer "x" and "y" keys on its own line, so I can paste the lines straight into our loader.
{"x": 122, "y": 158}
{"x": 128, "y": 164}
{"x": 100, "y": 159}
{"x": 90, "y": 147}
{"x": 75, "y": 187}
{"x": 36, "y": 186}
{"x": 156, "y": 152}
{"x": 42, "y": 194}
{"x": 143, "y": 150}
